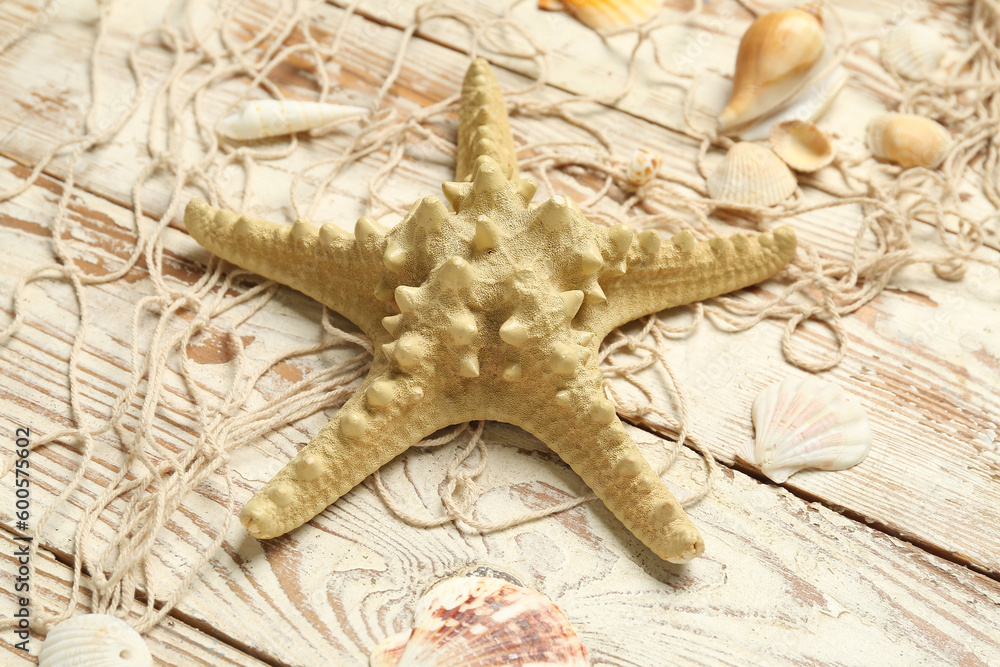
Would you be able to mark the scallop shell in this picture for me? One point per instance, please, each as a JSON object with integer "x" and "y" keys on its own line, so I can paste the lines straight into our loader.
{"x": 806, "y": 423}
{"x": 751, "y": 174}
{"x": 803, "y": 146}
{"x": 807, "y": 105}
{"x": 643, "y": 167}
{"x": 775, "y": 57}
{"x": 483, "y": 622}
{"x": 260, "y": 119}
{"x": 908, "y": 140}
{"x": 94, "y": 640}
{"x": 605, "y": 14}
{"x": 913, "y": 50}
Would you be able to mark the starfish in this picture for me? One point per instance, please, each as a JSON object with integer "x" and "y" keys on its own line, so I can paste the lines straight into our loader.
{"x": 493, "y": 310}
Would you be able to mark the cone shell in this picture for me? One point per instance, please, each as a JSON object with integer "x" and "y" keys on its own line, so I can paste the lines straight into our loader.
{"x": 643, "y": 167}
{"x": 484, "y": 622}
{"x": 605, "y": 14}
{"x": 806, "y": 423}
{"x": 273, "y": 118}
{"x": 913, "y": 50}
{"x": 775, "y": 57}
{"x": 807, "y": 105}
{"x": 751, "y": 174}
{"x": 803, "y": 146}
{"x": 94, "y": 640}
{"x": 908, "y": 140}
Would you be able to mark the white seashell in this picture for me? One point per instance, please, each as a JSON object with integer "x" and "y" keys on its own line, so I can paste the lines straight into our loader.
{"x": 806, "y": 423}
{"x": 94, "y": 640}
{"x": 260, "y": 119}
{"x": 605, "y": 14}
{"x": 908, "y": 140}
{"x": 807, "y": 105}
{"x": 913, "y": 50}
{"x": 483, "y": 622}
{"x": 643, "y": 167}
{"x": 803, "y": 146}
{"x": 751, "y": 174}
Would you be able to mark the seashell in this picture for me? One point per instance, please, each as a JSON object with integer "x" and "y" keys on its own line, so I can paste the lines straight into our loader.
{"x": 605, "y": 14}
{"x": 775, "y": 57}
{"x": 260, "y": 119}
{"x": 643, "y": 167}
{"x": 806, "y": 423}
{"x": 94, "y": 640}
{"x": 913, "y": 50}
{"x": 908, "y": 140}
{"x": 751, "y": 174}
{"x": 803, "y": 146}
{"x": 808, "y": 105}
{"x": 484, "y": 622}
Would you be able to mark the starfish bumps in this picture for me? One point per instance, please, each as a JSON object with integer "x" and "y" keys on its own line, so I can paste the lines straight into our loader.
{"x": 494, "y": 309}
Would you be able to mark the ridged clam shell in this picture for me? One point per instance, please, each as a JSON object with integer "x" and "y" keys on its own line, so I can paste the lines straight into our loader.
{"x": 807, "y": 105}
{"x": 806, "y": 423}
{"x": 94, "y": 640}
{"x": 775, "y": 57}
{"x": 483, "y": 622}
{"x": 908, "y": 140}
{"x": 260, "y": 119}
{"x": 605, "y": 14}
{"x": 751, "y": 174}
{"x": 643, "y": 166}
{"x": 913, "y": 50}
{"x": 803, "y": 146}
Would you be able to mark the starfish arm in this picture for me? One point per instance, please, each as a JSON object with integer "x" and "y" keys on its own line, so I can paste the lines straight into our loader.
{"x": 598, "y": 449}
{"x": 338, "y": 269}
{"x": 682, "y": 271}
{"x": 382, "y": 420}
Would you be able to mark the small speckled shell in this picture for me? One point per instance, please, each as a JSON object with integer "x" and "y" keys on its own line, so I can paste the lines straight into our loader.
{"x": 806, "y": 423}
{"x": 913, "y": 50}
{"x": 751, "y": 174}
{"x": 643, "y": 167}
{"x": 803, "y": 146}
{"x": 94, "y": 640}
{"x": 605, "y": 14}
{"x": 484, "y": 622}
{"x": 273, "y": 118}
{"x": 908, "y": 140}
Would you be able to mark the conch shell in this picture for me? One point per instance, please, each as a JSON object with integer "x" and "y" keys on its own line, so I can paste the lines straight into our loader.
{"x": 260, "y": 119}
{"x": 908, "y": 140}
{"x": 803, "y": 146}
{"x": 751, "y": 174}
{"x": 485, "y": 622}
{"x": 775, "y": 56}
{"x": 605, "y": 14}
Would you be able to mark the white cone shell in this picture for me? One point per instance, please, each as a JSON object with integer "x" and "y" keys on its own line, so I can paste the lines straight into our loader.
{"x": 913, "y": 50}
{"x": 94, "y": 640}
{"x": 643, "y": 167}
{"x": 806, "y": 423}
{"x": 751, "y": 174}
{"x": 260, "y": 119}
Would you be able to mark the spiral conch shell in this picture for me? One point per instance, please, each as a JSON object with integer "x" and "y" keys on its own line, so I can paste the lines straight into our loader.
{"x": 913, "y": 50}
{"x": 484, "y": 622}
{"x": 605, "y": 14}
{"x": 94, "y": 640}
{"x": 260, "y": 119}
{"x": 806, "y": 423}
{"x": 775, "y": 57}
{"x": 751, "y": 174}
{"x": 908, "y": 140}
{"x": 803, "y": 146}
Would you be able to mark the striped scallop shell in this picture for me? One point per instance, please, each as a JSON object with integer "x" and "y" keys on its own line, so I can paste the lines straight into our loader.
{"x": 913, "y": 50}
{"x": 908, "y": 140}
{"x": 483, "y": 622}
{"x": 260, "y": 119}
{"x": 643, "y": 166}
{"x": 605, "y": 14}
{"x": 94, "y": 640}
{"x": 751, "y": 174}
{"x": 803, "y": 146}
{"x": 806, "y": 423}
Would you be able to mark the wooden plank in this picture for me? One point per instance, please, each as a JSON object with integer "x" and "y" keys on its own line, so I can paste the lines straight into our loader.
{"x": 777, "y": 574}
{"x": 172, "y": 642}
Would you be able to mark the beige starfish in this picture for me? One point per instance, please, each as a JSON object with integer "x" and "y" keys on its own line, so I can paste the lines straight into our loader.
{"x": 493, "y": 311}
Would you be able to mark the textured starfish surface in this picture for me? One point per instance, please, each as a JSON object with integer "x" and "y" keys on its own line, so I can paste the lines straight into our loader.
{"x": 492, "y": 310}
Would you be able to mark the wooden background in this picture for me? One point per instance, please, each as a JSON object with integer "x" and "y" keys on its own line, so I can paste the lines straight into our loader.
{"x": 894, "y": 562}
